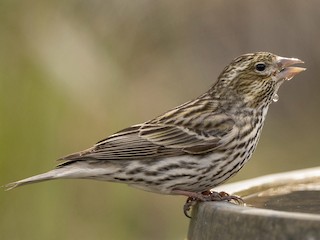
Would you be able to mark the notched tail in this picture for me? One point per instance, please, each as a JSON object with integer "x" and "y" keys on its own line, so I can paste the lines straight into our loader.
{"x": 68, "y": 170}
{"x": 38, "y": 178}
{"x": 10, "y": 186}
{"x": 13, "y": 185}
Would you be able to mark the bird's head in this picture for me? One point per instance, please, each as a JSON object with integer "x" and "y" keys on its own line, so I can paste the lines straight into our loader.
{"x": 255, "y": 78}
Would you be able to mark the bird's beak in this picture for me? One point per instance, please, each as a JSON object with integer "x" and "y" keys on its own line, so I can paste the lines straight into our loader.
{"x": 287, "y": 72}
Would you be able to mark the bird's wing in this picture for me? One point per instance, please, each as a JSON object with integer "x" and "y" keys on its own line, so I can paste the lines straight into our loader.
{"x": 123, "y": 145}
{"x": 195, "y": 135}
{"x": 152, "y": 140}
{"x": 194, "y": 128}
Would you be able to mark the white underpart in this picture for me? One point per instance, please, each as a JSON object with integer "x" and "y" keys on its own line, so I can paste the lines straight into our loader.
{"x": 165, "y": 187}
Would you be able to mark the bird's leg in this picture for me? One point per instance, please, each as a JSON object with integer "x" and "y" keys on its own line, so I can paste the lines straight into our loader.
{"x": 206, "y": 196}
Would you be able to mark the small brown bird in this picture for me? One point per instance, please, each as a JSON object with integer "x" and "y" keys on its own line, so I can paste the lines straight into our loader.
{"x": 193, "y": 147}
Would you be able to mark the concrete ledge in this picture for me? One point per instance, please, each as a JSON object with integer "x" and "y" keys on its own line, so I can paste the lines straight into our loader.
{"x": 223, "y": 220}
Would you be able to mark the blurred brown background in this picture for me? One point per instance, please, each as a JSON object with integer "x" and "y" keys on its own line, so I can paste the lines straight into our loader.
{"x": 73, "y": 72}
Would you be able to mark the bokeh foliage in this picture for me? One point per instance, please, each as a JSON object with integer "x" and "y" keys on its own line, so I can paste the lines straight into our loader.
{"x": 73, "y": 72}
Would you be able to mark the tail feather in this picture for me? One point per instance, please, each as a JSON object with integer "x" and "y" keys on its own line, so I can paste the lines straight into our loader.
{"x": 76, "y": 170}
{"x": 38, "y": 178}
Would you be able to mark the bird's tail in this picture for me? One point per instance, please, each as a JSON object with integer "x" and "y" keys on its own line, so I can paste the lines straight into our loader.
{"x": 76, "y": 170}
{"x": 34, "y": 179}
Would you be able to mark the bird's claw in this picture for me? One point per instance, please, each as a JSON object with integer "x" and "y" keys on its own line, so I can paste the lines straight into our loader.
{"x": 209, "y": 196}
{"x": 191, "y": 201}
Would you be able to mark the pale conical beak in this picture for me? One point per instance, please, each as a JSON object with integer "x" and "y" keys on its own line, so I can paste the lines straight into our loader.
{"x": 287, "y": 72}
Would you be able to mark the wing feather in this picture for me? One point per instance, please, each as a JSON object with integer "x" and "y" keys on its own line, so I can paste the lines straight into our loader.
{"x": 193, "y": 128}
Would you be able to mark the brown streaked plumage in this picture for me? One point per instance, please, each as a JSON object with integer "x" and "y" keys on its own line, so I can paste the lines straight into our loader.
{"x": 193, "y": 147}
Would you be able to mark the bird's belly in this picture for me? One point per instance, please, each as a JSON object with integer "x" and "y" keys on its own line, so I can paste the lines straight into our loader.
{"x": 188, "y": 173}
{"x": 193, "y": 173}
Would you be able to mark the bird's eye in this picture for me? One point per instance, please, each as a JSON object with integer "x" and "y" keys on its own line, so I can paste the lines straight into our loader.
{"x": 260, "y": 67}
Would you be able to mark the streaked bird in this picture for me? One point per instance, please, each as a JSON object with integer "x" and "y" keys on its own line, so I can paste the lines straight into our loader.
{"x": 193, "y": 147}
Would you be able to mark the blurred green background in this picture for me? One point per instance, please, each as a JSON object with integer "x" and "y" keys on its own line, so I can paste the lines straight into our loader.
{"x": 73, "y": 72}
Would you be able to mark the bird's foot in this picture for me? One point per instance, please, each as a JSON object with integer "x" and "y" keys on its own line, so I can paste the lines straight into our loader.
{"x": 209, "y": 196}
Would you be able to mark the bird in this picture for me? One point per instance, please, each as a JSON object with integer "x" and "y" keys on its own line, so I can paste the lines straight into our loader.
{"x": 193, "y": 147}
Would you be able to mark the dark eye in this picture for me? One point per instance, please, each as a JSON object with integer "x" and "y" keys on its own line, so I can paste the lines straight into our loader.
{"x": 260, "y": 67}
